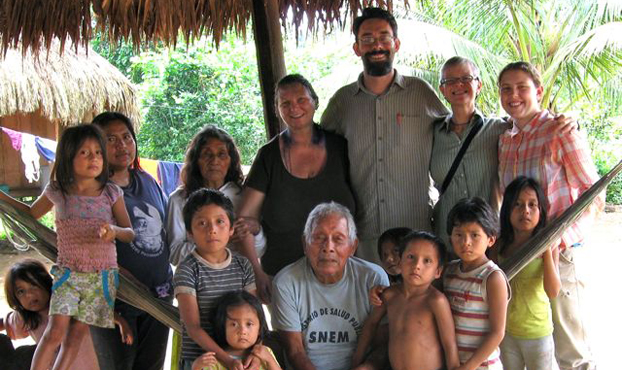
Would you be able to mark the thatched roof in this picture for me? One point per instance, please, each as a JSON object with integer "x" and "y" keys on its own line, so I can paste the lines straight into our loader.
{"x": 64, "y": 87}
{"x": 37, "y": 23}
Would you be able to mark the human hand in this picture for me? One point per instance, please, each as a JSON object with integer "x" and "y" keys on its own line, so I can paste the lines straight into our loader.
{"x": 127, "y": 336}
{"x": 107, "y": 233}
{"x": 261, "y": 352}
{"x": 263, "y": 282}
{"x": 234, "y": 364}
{"x": 563, "y": 124}
{"x": 246, "y": 225}
{"x": 375, "y": 295}
{"x": 252, "y": 362}
{"x": 206, "y": 360}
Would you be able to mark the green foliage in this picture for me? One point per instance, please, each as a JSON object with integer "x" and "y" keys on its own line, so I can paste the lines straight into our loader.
{"x": 185, "y": 89}
{"x": 605, "y": 138}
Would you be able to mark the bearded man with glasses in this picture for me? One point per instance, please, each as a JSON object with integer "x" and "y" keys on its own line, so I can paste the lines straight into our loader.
{"x": 387, "y": 119}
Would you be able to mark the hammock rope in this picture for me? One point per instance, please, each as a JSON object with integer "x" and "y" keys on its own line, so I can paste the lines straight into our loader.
{"x": 43, "y": 239}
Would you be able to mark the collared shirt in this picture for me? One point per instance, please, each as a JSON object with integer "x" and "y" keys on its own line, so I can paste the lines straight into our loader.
{"x": 561, "y": 163}
{"x": 389, "y": 146}
{"x": 476, "y": 176}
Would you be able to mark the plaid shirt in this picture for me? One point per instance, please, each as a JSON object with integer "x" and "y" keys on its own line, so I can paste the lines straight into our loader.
{"x": 561, "y": 163}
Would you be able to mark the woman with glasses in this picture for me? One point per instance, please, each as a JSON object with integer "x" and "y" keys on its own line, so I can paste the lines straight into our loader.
{"x": 475, "y": 173}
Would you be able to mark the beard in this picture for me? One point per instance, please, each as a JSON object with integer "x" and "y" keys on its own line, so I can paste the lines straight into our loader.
{"x": 380, "y": 68}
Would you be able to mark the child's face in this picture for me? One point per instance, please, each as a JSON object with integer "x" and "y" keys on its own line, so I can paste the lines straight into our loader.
{"x": 211, "y": 230}
{"x": 519, "y": 95}
{"x": 419, "y": 263}
{"x": 88, "y": 162}
{"x": 31, "y": 297}
{"x": 242, "y": 327}
{"x": 470, "y": 242}
{"x": 390, "y": 257}
{"x": 526, "y": 211}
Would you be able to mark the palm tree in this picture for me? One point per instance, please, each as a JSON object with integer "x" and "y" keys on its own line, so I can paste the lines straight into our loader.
{"x": 577, "y": 45}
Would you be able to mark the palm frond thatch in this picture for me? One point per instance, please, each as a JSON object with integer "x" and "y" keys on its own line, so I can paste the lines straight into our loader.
{"x": 543, "y": 239}
{"x": 64, "y": 88}
{"x": 36, "y": 23}
{"x": 44, "y": 241}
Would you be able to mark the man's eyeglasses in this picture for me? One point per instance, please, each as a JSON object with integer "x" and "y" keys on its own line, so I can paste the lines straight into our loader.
{"x": 464, "y": 79}
{"x": 370, "y": 40}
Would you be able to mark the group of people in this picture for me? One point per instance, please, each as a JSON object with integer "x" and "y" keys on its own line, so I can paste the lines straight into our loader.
{"x": 302, "y": 233}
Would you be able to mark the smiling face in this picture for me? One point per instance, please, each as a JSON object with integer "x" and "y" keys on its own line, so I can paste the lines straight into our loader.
{"x": 390, "y": 257}
{"x": 459, "y": 93}
{"x": 420, "y": 263}
{"x": 330, "y": 248}
{"x": 525, "y": 212}
{"x": 520, "y": 97}
{"x": 120, "y": 146}
{"x": 242, "y": 327}
{"x": 31, "y": 297}
{"x": 88, "y": 162}
{"x": 211, "y": 230}
{"x": 470, "y": 242}
{"x": 376, "y": 45}
{"x": 296, "y": 106}
{"x": 214, "y": 162}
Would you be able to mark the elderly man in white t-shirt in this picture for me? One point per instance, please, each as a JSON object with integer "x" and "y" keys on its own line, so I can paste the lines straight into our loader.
{"x": 321, "y": 300}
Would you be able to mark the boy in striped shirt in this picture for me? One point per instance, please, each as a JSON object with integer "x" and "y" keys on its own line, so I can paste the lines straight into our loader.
{"x": 477, "y": 289}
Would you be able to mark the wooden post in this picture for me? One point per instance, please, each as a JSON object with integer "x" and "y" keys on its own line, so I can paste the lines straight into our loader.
{"x": 270, "y": 58}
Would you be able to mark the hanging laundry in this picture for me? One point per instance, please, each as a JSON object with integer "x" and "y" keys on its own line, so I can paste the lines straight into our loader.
{"x": 15, "y": 137}
{"x": 150, "y": 166}
{"x": 168, "y": 175}
{"x": 30, "y": 157}
{"x": 46, "y": 147}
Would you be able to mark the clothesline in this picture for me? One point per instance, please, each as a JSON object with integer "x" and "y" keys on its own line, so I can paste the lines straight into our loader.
{"x": 31, "y": 147}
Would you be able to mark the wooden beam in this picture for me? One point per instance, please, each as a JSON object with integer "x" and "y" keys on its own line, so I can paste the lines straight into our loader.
{"x": 270, "y": 58}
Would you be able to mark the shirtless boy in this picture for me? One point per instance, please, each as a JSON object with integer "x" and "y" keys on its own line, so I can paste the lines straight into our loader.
{"x": 421, "y": 327}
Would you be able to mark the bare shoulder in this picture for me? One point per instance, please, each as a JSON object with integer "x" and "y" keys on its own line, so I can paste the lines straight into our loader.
{"x": 436, "y": 299}
{"x": 391, "y": 292}
{"x": 497, "y": 284}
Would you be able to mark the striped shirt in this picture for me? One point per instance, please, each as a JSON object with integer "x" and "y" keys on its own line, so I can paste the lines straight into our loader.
{"x": 389, "y": 146}
{"x": 467, "y": 296}
{"x": 476, "y": 175}
{"x": 561, "y": 163}
{"x": 208, "y": 283}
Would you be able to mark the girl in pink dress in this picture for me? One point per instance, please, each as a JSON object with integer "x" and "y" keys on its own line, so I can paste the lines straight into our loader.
{"x": 90, "y": 215}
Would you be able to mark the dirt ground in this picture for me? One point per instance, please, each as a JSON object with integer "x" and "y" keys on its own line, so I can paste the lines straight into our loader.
{"x": 597, "y": 261}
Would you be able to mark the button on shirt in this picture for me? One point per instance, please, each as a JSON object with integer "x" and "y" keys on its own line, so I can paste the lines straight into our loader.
{"x": 389, "y": 145}
{"x": 476, "y": 175}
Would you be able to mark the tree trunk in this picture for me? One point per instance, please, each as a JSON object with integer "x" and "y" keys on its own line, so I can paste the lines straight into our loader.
{"x": 270, "y": 58}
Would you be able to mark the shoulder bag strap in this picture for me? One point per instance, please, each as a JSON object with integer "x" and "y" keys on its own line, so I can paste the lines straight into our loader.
{"x": 463, "y": 149}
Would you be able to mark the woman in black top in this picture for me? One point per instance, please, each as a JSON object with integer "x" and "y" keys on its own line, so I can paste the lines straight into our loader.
{"x": 300, "y": 168}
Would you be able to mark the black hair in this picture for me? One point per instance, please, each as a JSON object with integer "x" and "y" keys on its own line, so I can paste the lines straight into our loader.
{"x": 293, "y": 79}
{"x": 33, "y": 272}
{"x": 70, "y": 142}
{"x": 205, "y": 197}
{"x": 437, "y": 242}
{"x": 510, "y": 197}
{"x": 374, "y": 13}
{"x": 236, "y": 299}
{"x": 191, "y": 177}
{"x": 473, "y": 210}
{"x": 102, "y": 120}
{"x": 393, "y": 235}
